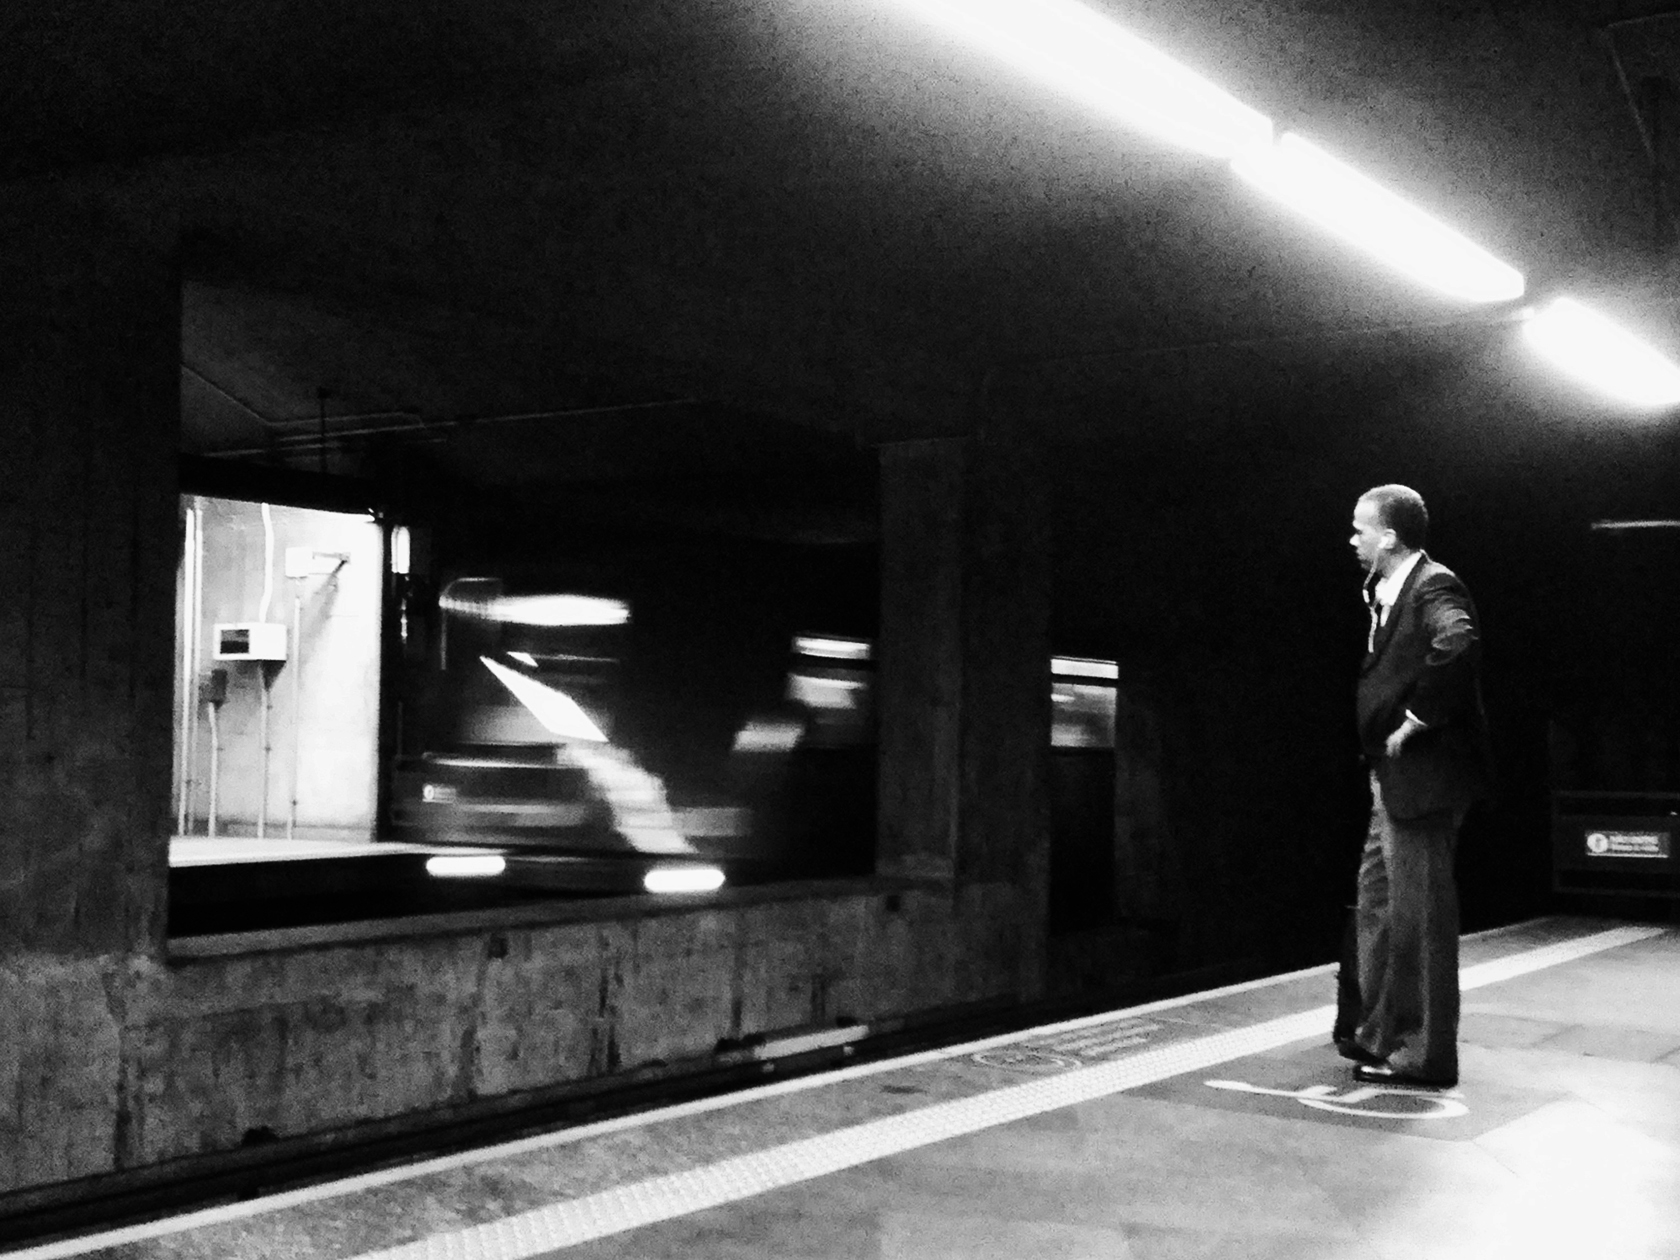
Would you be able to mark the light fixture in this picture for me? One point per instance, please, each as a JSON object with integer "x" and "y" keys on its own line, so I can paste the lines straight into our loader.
{"x": 466, "y": 866}
{"x": 683, "y": 879}
{"x": 401, "y": 550}
{"x": 558, "y": 712}
{"x": 1083, "y": 54}
{"x": 1083, "y": 667}
{"x": 831, "y": 648}
{"x": 1603, "y": 355}
{"x": 1365, "y": 214}
{"x": 1623, "y": 527}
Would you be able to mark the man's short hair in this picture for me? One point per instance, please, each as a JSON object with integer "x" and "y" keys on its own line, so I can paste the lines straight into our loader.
{"x": 1401, "y": 509}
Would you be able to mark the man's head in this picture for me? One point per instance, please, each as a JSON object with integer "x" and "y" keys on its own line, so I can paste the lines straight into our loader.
{"x": 1389, "y": 523}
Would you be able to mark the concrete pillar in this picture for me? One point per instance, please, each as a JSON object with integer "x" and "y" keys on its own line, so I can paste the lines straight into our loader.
{"x": 89, "y": 382}
{"x": 964, "y": 696}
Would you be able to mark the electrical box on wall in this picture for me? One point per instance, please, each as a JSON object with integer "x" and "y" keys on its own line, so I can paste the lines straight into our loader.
{"x": 250, "y": 641}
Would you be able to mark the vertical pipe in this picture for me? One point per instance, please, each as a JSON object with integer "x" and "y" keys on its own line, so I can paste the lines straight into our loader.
{"x": 215, "y": 742}
{"x": 175, "y": 724}
{"x": 296, "y": 666}
{"x": 264, "y": 677}
{"x": 262, "y": 787}
{"x": 268, "y": 561}
{"x": 194, "y": 650}
{"x": 183, "y": 662}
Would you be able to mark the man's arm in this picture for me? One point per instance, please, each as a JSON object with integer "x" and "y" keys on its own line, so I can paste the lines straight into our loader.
{"x": 1443, "y": 687}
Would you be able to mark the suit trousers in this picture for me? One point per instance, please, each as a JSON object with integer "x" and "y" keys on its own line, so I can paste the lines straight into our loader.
{"x": 1407, "y": 916}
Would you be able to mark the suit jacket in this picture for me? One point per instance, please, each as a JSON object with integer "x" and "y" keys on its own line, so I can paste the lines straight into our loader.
{"x": 1426, "y": 659}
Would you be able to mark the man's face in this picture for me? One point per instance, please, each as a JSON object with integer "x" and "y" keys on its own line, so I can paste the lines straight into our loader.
{"x": 1368, "y": 534}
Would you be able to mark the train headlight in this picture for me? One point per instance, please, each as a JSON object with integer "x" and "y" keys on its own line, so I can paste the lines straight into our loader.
{"x": 683, "y": 879}
{"x": 466, "y": 866}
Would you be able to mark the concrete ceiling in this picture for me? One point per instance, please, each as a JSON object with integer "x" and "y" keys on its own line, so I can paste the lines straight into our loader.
{"x": 421, "y": 217}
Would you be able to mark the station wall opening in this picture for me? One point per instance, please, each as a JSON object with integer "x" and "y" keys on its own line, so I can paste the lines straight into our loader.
{"x": 277, "y": 673}
{"x": 365, "y": 735}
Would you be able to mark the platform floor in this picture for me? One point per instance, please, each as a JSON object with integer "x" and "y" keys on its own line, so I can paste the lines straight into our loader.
{"x": 1217, "y": 1125}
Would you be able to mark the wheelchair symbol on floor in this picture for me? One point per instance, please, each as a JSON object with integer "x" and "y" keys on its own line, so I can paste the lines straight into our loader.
{"x": 1441, "y": 1106}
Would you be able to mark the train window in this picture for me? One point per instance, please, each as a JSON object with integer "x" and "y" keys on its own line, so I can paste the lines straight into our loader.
{"x": 1083, "y": 696}
{"x": 831, "y": 680}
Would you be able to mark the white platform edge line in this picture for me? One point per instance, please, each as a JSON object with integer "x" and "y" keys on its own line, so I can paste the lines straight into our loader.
{"x": 224, "y": 1213}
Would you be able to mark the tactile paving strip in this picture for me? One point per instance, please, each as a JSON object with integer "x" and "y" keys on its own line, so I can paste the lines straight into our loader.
{"x": 567, "y": 1224}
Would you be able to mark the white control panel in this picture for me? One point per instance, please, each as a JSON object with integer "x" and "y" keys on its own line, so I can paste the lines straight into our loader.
{"x": 250, "y": 641}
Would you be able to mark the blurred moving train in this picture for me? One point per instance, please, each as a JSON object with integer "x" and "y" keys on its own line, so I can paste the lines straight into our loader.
{"x": 544, "y": 741}
{"x": 545, "y": 737}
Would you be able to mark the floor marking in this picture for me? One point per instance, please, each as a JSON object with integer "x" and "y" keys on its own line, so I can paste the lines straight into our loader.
{"x": 1027, "y": 1059}
{"x": 1471, "y": 977}
{"x": 1445, "y": 1104}
{"x": 1129, "y": 1032}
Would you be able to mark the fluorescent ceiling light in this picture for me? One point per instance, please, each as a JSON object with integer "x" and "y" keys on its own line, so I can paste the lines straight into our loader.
{"x": 524, "y": 658}
{"x": 1364, "y": 213}
{"x": 467, "y": 866}
{"x": 1083, "y": 54}
{"x": 557, "y": 711}
{"x": 683, "y": 879}
{"x": 1602, "y": 354}
{"x": 1616, "y": 527}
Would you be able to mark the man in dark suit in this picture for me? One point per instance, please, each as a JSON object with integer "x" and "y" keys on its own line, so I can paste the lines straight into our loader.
{"x": 1423, "y": 733}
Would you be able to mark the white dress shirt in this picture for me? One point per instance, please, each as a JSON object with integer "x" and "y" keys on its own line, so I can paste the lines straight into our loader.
{"x": 1383, "y": 595}
{"x": 1388, "y": 589}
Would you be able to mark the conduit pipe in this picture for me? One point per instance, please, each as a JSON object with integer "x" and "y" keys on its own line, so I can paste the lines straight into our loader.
{"x": 215, "y": 742}
{"x": 262, "y": 788}
{"x": 295, "y": 663}
{"x": 269, "y": 422}
{"x": 1659, "y": 189}
{"x": 195, "y": 652}
{"x": 268, "y": 562}
{"x": 262, "y": 668}
{"x": 439, "y": 429}
{"x": 185, "y": 710}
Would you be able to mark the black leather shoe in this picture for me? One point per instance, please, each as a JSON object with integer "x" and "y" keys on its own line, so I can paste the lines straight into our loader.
{"x": 1351, "y": 1049}
{"x": 1382, "y": 1074}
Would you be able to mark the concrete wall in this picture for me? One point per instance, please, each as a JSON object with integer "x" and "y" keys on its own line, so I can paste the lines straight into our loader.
{"x": 89, "y": 322}
{"x": 113, "y": 1056}
{"x": 316, "y": 1039}
{"x": 121, "y": 1063}
{"x": 326, "y": 721}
